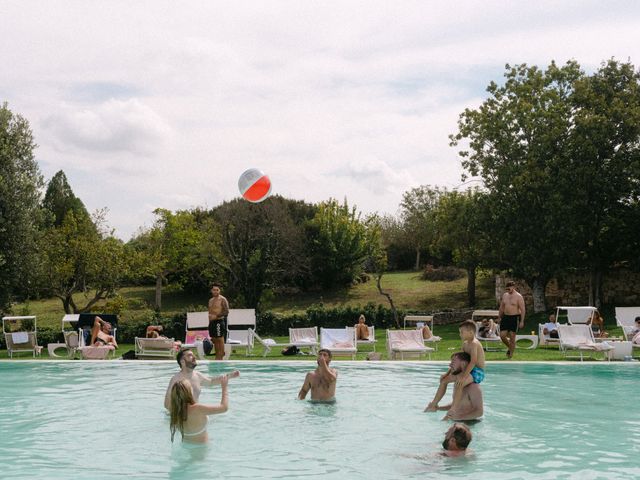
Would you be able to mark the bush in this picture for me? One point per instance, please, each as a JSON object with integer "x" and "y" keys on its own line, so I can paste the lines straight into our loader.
{"x": 442, "y": 274}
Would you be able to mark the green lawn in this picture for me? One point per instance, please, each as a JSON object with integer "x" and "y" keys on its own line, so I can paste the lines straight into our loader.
{"x": 408, "y": 291}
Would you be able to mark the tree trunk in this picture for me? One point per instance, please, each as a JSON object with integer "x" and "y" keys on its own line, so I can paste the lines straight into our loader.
{"x": 595, "y": 287}
{"x": 393, "y": 307}
{"x": 471, "y": 286}
{"x": 417, "y": 267}
{"x": 539, "y": 300}
{"x": 158, "y": 303}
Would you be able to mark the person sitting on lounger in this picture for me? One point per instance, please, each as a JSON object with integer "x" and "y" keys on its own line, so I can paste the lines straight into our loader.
{"x": 189, "y": 417}
{"x": 101, "y": 334}
{"x": 597, "y": 325}
{"x": 551, "y": 327}
{"x": 362, "y": 331}
{"x": 488, "y": 329}
{"x": 322, "y": 381}
{"x": 426, "y": 332}
{"x": 187, "y": 361}
{"x": 456, "y": 440}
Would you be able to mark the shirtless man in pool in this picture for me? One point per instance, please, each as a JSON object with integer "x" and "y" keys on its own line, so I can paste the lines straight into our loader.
{"x": 322, "y": 381}
{"x": 187, "y": 361}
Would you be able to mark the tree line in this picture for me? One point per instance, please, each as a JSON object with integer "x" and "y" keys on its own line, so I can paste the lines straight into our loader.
{"x": 554, "y": 152}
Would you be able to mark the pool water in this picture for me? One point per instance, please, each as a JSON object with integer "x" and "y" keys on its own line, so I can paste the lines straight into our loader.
{"x": 98, "y": 420}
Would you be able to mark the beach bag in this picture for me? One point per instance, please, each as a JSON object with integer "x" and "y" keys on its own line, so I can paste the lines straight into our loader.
{"x": 292, "y": 350}
{"x": 130, "y": 355}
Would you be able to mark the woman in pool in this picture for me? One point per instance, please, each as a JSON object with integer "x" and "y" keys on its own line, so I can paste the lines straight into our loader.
{"x": 191, "y": 418}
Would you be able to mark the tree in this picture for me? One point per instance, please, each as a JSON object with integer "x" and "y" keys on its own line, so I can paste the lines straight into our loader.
{"x": 20, "y": 183}
{"x": 172, "y": 246}
{"x": 377, "y": 258}
{"x": 604, "y": 170}
{"x": 517, "y": 143}
{"x": 461, "y": 227}
{"x": 417, "y": 214}
{"x": 339, "y": 244}
{"x": 59, "y": 199}
{"x": 80, "y": 256}
{"x": 263, "y": 245}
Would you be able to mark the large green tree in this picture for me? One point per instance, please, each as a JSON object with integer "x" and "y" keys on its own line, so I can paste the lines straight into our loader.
{"x": 517, "y": 141}
{"x": 416, "y": 210}
{"x": 340, "y": 244}
{"x": 20, "y": 183}
{"x": 461, "y": 228}
{"x": 81, "y": 260}
{"x": 60, "y": 199}
{"x": 263, "y": 245}
{"x": 604, "y": 169}
{"x": 171, "y": 247}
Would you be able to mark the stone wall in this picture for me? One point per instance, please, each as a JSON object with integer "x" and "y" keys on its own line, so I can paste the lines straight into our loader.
{"x": 620, "y": 287}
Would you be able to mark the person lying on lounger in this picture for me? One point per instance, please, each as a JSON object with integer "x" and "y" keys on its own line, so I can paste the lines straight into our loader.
{"x": 153, "y": 331}
{"x": 488, "y": 329}
{"x": 189, "y": 417}
{"x": 101, "y": 334}
{"x": 322, "y": 381}
{"x": 551, "y": 327}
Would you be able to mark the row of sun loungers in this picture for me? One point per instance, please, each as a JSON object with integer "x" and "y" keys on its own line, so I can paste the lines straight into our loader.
{"x": 576, "y": 335}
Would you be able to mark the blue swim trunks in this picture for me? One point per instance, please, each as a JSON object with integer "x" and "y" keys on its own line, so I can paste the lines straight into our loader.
{"x": 477, "y": 374}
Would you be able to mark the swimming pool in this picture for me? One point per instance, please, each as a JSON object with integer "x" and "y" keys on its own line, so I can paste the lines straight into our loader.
{"x": 86, "y": 420}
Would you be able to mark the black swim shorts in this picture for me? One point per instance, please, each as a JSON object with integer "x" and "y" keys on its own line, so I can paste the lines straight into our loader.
{"x": 509, "y": 323}
{"x": 217, "y": 328}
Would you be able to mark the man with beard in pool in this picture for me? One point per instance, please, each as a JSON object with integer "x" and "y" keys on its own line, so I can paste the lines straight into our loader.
{"x": 187, "y": 361}
{"x": 456, "y": 440}
{"x": 471, "y": 405}
{"x": 322, "y": 381}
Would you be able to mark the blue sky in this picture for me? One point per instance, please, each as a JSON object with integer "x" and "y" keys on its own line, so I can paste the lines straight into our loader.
{"x": 164, "y": 104}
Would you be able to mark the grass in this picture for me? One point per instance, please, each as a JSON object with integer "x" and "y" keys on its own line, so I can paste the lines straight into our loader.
{"x": 408, "y": 291}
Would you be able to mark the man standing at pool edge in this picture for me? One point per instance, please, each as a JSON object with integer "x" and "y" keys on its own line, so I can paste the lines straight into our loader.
{"x": 511, "y": 316}
{"x": 218, "y": 311}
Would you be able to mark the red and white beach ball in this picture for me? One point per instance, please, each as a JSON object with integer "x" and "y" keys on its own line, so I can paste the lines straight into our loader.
{"x": 254, "y": 185}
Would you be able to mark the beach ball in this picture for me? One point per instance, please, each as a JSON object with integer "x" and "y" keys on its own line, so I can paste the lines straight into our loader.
{"x": 254, "y": 185}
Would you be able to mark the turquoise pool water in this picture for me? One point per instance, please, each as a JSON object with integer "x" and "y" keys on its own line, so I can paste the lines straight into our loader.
{"x": 85, "y": 420}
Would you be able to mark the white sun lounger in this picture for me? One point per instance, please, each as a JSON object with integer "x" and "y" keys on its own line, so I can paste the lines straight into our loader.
{"x": 339, "y": 341}
{"x": 23, "y": 340}
{"x": 401, "y": 343}
{"x": 491, "y": 344}
{"x": 369, "y": 341}
{"x": 155, "y": 347}
{"x": 580, "y": 338}
{"x": 304, "y": 338}
{"x": 267, "y": 343}
{"x": 576, "y": 315}
{"x": 240, "y": 323}
{"x": 626, "y": 318}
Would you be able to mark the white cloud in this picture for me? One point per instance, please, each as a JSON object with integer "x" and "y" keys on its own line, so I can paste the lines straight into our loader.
{"x": 158, "y": 104}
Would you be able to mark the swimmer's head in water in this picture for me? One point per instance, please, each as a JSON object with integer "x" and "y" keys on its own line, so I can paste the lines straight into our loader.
{"x": 458, "y": 437}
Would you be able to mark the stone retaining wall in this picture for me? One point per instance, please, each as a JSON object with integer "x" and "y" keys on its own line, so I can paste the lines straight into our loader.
{"x": 620, "y": 287}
